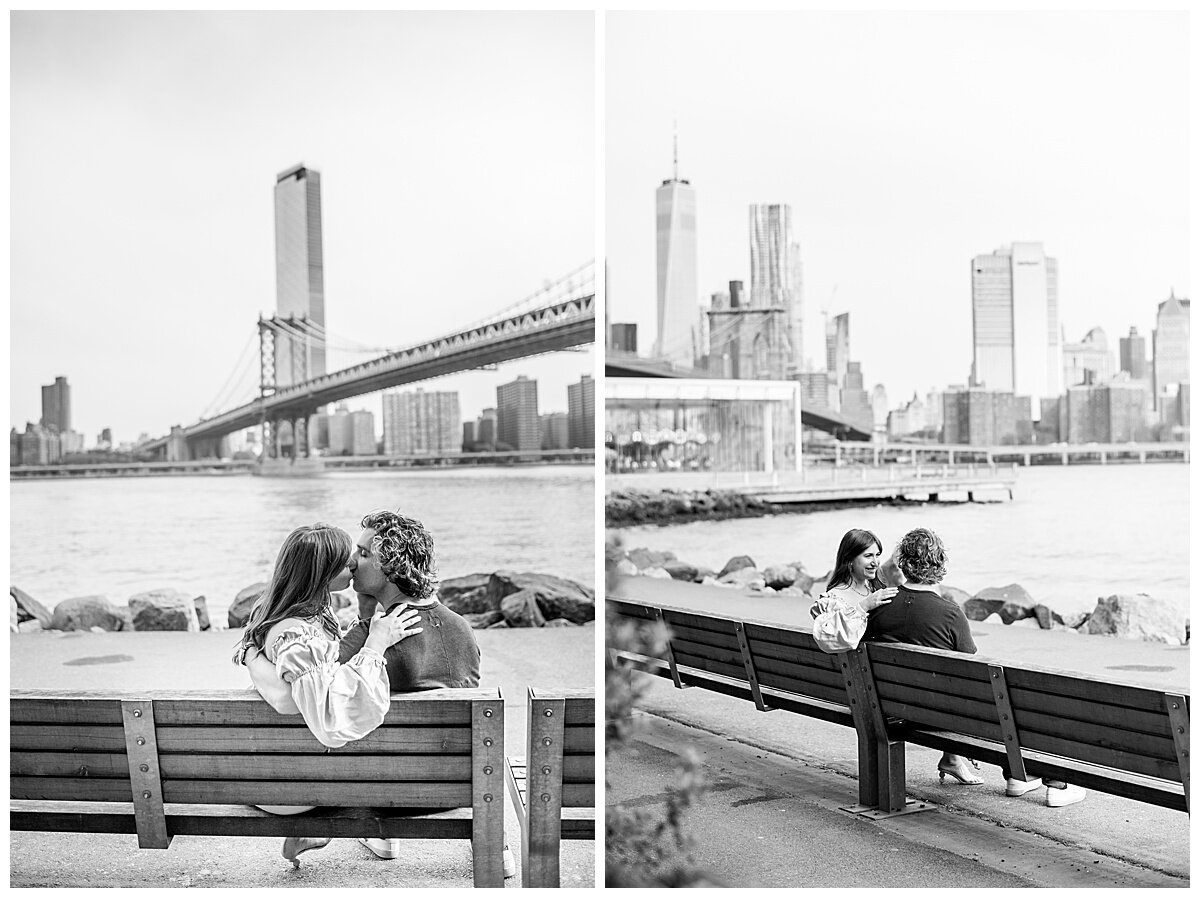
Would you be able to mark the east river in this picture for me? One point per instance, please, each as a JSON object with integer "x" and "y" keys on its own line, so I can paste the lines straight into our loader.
{"x": 215, "y": 535}
{"x": 1070, "y": 535}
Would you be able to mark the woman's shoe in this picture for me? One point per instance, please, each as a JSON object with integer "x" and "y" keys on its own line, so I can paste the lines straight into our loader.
{"x": 1015, "y": 788}
{"x": 966, "y": 780}
{"x": 294, "y": 846}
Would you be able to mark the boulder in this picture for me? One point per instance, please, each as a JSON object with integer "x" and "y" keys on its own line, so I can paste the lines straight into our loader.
{"x": 779, "y": 576}
{"x": 14, "y": 619}
{"x": 793, "y": 591}
{"x": 1027, "y": 622}
{"x": 805, "y": 581}
{"x": 499, "y": 625}
{"x": 626, "y": 568}
{"x": 29, "y": 608}
{"x": 556, "y": 596}
{"x": 1076, "y": 619}
{"x": 736, "y": 563}
{"x": 1138, "y": 616}
{"x": 201, "y": 605}
{"x": 981, "y": 609}
{"x": 1016, "y": 603}
{"x": 163, "y": 609}
{"x": 645, "y": 558}
{"x": 993, "y": 619}
{"x": 657, "y": 573}
{"x": 520, "y": 609}
{"x": 29, "y": 626}
{"x": 85, "y": 612}
{"x": 559, "y": 622}
{"x": 468, "y": 595}
{"x": 954, "y": 594}
{"x": 1046, "y": 618}
{"x": 744, "y": 578}
{"x": 243, "y": 604}
{"x": 481, "y": 620}
{"x": 681, "y": 570}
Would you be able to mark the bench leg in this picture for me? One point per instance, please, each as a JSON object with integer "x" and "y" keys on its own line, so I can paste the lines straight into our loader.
{"x": 891, "y": 783}
{"x": 540, "y": 845}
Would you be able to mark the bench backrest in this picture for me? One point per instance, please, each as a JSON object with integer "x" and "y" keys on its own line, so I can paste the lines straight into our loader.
{"x": 1027, "y": 711}
{"x": 562, "y": 720}
{"x": 230, "y": 747}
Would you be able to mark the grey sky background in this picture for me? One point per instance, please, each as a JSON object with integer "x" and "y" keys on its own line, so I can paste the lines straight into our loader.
{"x": 456, "y": 153}
{"x": 907, "y": 143}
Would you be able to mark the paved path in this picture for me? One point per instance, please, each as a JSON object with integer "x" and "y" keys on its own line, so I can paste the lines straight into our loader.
{"x": 512, "y": 659}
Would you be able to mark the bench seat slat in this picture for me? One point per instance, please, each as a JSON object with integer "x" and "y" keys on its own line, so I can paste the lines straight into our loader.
{"x": 32, "y": 737}
{"x": 1098, "y": 732}
{"x": 1138, "y": 720}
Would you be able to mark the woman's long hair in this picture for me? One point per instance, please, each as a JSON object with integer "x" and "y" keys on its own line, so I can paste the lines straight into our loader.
{"x": 853, "y": 544}
{"x": 309, "y": 559}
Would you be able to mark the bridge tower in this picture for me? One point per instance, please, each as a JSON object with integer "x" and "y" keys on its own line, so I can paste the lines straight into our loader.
{"x": 270, "y": 332}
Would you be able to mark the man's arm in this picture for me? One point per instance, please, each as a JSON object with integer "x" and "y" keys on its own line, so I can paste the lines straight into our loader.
{"x": 962, "y": 633}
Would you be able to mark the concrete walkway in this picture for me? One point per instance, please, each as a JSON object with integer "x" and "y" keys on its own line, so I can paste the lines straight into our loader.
{"x": 512, "y": 660}
{"x": 775, "y": 781}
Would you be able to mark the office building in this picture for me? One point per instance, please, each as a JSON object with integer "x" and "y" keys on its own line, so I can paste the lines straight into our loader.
{"x": 678, "y": 293}
{"x": 773, "y": 266}
{"x": 623, "y": 337}
{"x": 853, "y": 401}
{"x": 1089, "y": 360}
{"x": 555, "y": 430}
{"x": 837, "y": 355}
{"x": 56, "y": 406}
{"x": 1014, "y": 313}
{"x": 517, "y": 424}
{"x": 352, "y": 433}
{"x": 814, "y": 389}
{"x": 581, "y": 413}
{"x": 1172, "y": 338}
{"x": 468, "y": 436}
{"x": 1133, "y": 355}
{"x": 1110, "y": 412}
{"x": 420, "y": 423}
{"x": 299, "y": 275}
{"x": 485, "y": 428}
{"x": 975, "y": 416}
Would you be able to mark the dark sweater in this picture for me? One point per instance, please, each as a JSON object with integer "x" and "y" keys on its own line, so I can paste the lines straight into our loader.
{"x": 916, "y": 617}
{"x": 443, "y": 654}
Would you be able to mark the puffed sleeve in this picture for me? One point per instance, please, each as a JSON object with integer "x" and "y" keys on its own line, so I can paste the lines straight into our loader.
{"x": 339, "y": 702}
{"x": 839, "y": 626}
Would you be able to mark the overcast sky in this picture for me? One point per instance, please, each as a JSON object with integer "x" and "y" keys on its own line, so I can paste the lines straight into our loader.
{"x": 906, "y": 144}
{"x": 456, "y": 153}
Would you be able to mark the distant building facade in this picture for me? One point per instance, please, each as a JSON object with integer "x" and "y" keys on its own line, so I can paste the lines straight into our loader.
{"x": 1014, "y": 314}
{"x": 678, "y": 291}
{"x": 299, "y": 273}
{"x": 517, "y": 414}
{"x": 623, "y": 337}
{"x": 1111, "y": 412}
{"x": 773, "y": 266}
{"x": 1089, "y": 361}
{"x": 1172, "y": 345}
{"x": 485, "y": 427}
{"x": 56, "y": 406}
{"x": 581, "y": 413}
{"x": 420, "y": 423}
{"x": 1133, "y": 355}
{"x": 975, "y": 416}
{"x": 555, "y": 430}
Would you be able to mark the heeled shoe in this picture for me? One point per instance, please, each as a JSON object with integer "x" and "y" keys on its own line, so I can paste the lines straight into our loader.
{"x": 967, "y": 780}
{"x": 294, "y": 846}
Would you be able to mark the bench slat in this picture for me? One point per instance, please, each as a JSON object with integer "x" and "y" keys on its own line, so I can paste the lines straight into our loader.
{"x": 1086, "y": 688}
{"x": 1138, "y": 720}
{"x": 708, "y": 638}
{"x": 980, "y": 691}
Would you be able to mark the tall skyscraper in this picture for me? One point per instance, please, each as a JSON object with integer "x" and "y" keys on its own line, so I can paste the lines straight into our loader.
{"x": 299, "y": 273}
{"x": 1172, "y": 336}
{"x": 517, "y": 414}
{"x": 56, "y": 406}
{"x": 837, "y": 355}
{"x": 678, "y": 293}
{"x": 581, "y": 413}
{"x": 485, "y": 427}
{"x": 1133, "y": 355}
{"x": 797, "y": 312}
{"x": 1014, "y": 310}
{"x": 420, "y": 423}
{"x": 771, "y": 271}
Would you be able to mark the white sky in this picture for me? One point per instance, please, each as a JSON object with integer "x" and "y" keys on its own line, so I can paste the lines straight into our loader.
{"x": 906, "y": 144}
{"x": 456, "y": 153}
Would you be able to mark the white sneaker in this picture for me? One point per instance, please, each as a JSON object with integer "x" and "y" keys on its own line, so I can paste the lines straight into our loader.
{"x": 1014, "y": 788}
{"x": 510, "y": 864}
{"x": 1061, "y": 796}
{"x": 386, "y": 849}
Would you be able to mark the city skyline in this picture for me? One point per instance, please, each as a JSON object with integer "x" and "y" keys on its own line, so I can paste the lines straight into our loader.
{"x": 446, "y": 144}
{"x": 898, "y": 176}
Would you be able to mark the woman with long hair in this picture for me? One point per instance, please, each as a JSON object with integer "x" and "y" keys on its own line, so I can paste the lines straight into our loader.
{"x": 854, "y": 590}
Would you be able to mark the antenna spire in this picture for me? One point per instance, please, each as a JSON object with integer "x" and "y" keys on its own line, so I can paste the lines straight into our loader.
{"x": 676, "y": 143}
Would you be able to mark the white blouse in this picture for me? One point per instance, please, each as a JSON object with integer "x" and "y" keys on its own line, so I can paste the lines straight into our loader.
{"x": 839, "y": 623}
{"x": 340, "y": 702}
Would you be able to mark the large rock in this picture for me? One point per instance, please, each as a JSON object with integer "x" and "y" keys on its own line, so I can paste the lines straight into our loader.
{"x": 779, "y": 576}
{"x": 520, "y": 609}
{"x": 243, "y": 604}
{"x": 744, "y": 578}
{"x": 483, "y": 619}
{"x": 657, "y": 573}
{"x": 1076, "y": 619}
{"x": 1047, "y": 618}
{"x": 468, "y": 595}
{"x": 1015, "y": 602}
{"x": 85, "y": 612}
{"x": 645, "y": 558}
{"x": 626, "y": 568}
{"x": 556, "y": 596}
{"x": 736, "y": 563}
{"x": 29, "y": 608}
{"x": 1138, "y": 616}
{"x": 979, "y": 609}
{"x": 200, "y": 603}
{"x": 14, "y": 619}
{"x": 163, "y": 609}
{"x": 954, "y": 594}
{"x": 559, "y": 622}
{"x": 681, "y": 570}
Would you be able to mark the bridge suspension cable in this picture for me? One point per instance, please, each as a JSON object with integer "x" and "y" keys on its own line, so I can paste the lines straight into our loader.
{"x": 236, "y": 380}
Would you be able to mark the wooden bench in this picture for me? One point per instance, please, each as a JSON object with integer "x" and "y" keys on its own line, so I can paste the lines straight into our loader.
{"x": 166, "y": 763}
{"x": 1114, "y": 737}
{"x": 553, "y": 786}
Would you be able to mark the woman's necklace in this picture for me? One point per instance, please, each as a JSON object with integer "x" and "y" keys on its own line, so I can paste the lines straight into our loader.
{"x": 854, "y": 586}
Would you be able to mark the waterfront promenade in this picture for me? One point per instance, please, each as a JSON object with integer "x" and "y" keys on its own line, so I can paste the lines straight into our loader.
{"x": 512, "y": 659}
{"x": 770, "y": 816}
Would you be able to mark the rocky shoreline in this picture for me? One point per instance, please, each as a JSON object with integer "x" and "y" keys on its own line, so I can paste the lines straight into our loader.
{"x": 500, "y": 600}
{"x": 631, "y": 508}
{"x": 1139, "y": 616}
